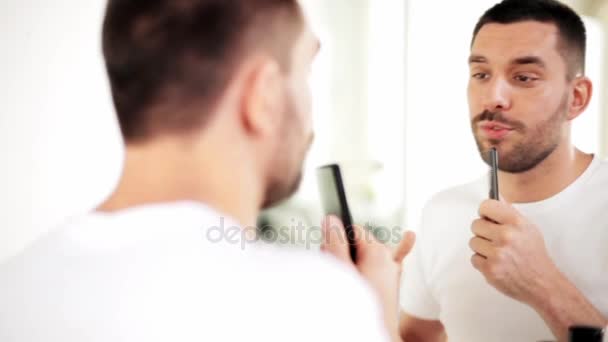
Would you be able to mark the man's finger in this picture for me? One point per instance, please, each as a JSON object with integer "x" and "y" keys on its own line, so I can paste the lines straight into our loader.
{"x": 478, "y": 262}
{"x": 405, "y": 246}
{"x": 499, "y": 212}
{"x": 486, "y": 229}
{"x": 334, "y": 238}
{"x": 482, "y": 247}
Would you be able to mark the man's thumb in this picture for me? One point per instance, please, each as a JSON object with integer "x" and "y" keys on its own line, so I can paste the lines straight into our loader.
{"x": 405, "y": 246}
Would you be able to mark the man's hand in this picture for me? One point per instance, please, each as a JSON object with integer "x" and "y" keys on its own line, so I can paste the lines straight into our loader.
{"x": 510, "y": 252}
{"x": 377, "y": 263}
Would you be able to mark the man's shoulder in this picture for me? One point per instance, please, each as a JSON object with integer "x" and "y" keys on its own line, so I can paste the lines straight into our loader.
{"x": 124, "y": 262}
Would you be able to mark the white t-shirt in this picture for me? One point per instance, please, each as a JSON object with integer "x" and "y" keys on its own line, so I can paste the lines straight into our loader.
{"x": 439, "y": 282}
{"x": 159, "y": 273}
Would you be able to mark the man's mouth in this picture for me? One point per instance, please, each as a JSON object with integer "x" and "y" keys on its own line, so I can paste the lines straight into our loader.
{"x": 495, "y": 130}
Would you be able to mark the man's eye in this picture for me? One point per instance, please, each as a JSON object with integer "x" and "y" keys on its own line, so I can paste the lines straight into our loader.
{"x": 524, "y": 78}
{"x": 480, "y": 76}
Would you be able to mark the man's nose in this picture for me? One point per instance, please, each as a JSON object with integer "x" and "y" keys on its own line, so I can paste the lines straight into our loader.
{"x": 497, "y": 97}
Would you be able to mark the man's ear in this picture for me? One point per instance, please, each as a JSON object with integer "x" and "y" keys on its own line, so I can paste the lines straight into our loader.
{"x": 581, "y": 96}
{"x": 260, "y": 108}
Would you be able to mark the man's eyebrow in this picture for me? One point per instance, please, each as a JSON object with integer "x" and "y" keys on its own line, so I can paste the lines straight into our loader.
{"x": 517, "y": 61}
{"x": 529, "y": 60}
{"x": 477, "y": 59}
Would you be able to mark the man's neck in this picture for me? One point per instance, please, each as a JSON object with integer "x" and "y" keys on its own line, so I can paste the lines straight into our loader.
{"x": 550, "y": 177}
{"x": 158, "y": 174}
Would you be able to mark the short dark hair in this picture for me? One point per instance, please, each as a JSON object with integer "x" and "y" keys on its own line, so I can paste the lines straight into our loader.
{"x": 167, "y": 59}
{"x": 571, "y": 28}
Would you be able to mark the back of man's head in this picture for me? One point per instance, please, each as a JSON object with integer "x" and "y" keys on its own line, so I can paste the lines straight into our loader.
{"x": 169, "y": 59}
{"x": 570, "y": 25}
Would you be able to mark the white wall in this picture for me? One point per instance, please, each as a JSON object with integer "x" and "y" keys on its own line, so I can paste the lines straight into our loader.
{"x": 59, "y": 142}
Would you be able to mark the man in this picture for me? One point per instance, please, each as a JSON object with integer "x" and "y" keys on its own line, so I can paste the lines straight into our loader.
{"x": 529, "y": 266}
{"x": 213, "y": 104}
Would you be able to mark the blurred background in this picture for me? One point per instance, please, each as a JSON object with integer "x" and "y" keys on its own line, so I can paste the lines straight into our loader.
{"x": 390, "y": 106}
